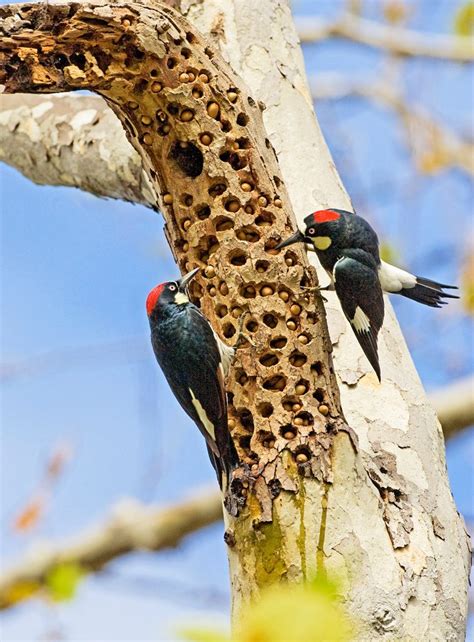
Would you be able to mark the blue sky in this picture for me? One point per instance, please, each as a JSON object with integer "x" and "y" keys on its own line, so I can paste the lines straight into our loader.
{"x": 75, "y": 274}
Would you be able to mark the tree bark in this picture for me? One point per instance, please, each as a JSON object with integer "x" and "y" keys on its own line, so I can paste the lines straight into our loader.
{"x": 383, "y": 521}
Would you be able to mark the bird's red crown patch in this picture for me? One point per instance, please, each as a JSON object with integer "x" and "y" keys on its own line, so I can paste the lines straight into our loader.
{"x": 153, "y": 297}
{"x": 324, "y": 216}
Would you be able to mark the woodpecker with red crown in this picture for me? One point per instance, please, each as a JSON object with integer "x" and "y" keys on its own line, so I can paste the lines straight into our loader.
{"x": 348, "y": 249}
{"x": 195, "y": 363}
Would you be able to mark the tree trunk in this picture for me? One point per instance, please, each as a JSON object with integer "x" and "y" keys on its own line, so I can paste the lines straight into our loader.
{"x": 378, "y": 515}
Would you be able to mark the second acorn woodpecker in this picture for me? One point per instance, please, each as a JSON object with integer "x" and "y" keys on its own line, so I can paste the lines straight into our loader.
{"x": 348, "y": 249}
{"x": 195, "y": 362}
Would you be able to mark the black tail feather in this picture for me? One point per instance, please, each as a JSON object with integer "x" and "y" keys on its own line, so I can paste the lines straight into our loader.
{"x": 429, "y": 292}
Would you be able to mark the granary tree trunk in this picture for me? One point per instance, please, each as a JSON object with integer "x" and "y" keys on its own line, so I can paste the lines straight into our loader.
{"x": 374, "y": 508}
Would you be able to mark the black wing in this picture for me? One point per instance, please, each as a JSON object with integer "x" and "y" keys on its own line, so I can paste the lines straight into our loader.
{"x": 358, "y": 288}
{"x": 194, "y": 373}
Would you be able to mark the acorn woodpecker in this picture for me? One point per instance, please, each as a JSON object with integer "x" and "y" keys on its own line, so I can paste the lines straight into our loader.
{"x": 195, "y": 363}
{"x": 348, "y": 249}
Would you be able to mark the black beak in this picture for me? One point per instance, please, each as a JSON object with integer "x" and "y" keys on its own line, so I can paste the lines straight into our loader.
{"x": 297, "y": 237}
{"x": 183, "y": 281}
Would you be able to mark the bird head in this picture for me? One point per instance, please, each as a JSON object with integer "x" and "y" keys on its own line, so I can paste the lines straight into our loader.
{"x": 170, "y": 293}
{"x": 318, "y": 225}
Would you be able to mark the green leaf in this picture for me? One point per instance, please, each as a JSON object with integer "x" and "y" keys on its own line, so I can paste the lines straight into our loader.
{"x": 63, "y": 579}
{"x": 464, "y": 20}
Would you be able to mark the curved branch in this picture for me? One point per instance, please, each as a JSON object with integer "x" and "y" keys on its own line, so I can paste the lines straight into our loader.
{"x": 434, "y": 146}
{"x": 74, "y": 142}
{"x": 395, "y": 40}
{"x": 454, "y": 406}
{"x": 129, "y": 527}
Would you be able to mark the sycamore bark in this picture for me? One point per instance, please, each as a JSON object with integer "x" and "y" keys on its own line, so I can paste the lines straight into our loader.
{"x": 380, "y": 516}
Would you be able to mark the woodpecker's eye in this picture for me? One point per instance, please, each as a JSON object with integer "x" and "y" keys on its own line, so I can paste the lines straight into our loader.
{"x": 172, "y": 287}
{"x": 311, "y": 231}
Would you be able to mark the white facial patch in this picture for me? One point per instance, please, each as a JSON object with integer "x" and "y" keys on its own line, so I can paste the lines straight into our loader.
{"x": 322, "y": 242}
{"x": 180, "y": 298}
{"x": 361, "y": 321}
{"x": 208, "y": 425}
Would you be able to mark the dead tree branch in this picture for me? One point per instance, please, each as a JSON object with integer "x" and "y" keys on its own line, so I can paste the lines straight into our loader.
{"x": 394, "y": 40}
{"x": 433, "y": 145}
{"x": 129, "y": 527}
{"x": 454, "y": 406}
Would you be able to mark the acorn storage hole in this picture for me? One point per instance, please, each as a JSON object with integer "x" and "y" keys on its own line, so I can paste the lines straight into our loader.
{"x": 221, "y": 310}
{"x": 241, "y": 377}
{"x": 297, "y": 359}
{"x": 262, "y": 266}
{"x": 242, "y": 119}
{"x": 269, "y": 359}
{"x": 319, "y": 394}
{"x": 203, "y": 212}
{"x": 238, "y": 258}
{"x": 275, "y": 383}
{"x": 278, "y": 343}
{"x": 291, "y": 404}
{"x": 266, "y": 438}
{"x": 246, "y": 418}
{"x": 270, "y": 320}
{"x": 248, "y": 291}
{"x": 317, "y": 367}
{"x": 270, "y": 246}
{"x": 244, "y": 442}
{"x": 223, "y": 223}
{"x": 248, "y": 233}
{"x": 251, "y": 325}
{"x": 265, "y": 219}
{"x": 291, "y": 258}
{"x": 303, "y": 419}
{"x": 302, "y": 387}
{"x": 265, "y": 410}
{"x": 217, "y": 189}
{"x": 188, "y": 158}
{"x": 302, "y": 454}
{"x": 186, "y": 200}
{"x": 288, "y": 432}
{"x": 228, "y": 330}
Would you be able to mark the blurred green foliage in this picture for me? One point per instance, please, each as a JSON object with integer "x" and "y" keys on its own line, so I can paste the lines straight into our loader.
{"x": 464, "y": 20}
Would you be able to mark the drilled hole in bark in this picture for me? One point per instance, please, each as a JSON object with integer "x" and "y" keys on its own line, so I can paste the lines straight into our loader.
{"x": 244, "y": 442}
{"x": 241, "y": 377}
{"x": 288, "y": 432}
{"x": 181, "y": 245}
{"x": 206, "y": 138}
{"x": 266, "y": 290}
{"x": 304, "y": 419}
{"x": 197, "y": 91}
{"x": 268, "y": 359}
{"x": 61, "y": 61}
{"x": 278, "y": 343}
{"x": 238, "y": 258}
{"x": 243, "y": 143}
{"x": 265, "y": 409}
{"x": 248, "y": 291}
{"x": 291, "y": 404}
{"x": 171, "y": 63}
{"x": 304, "y": 338}
{"x": 319, "y": 394}
{"x": 302, "y": 454}
{"x": 186, "y": 200}
{"x": 291, "y": 258}
{"x": 154, "y": 73}
{"x": 188, "y": 157}
{"x": 228, "y": 330}
{"x": 203, "y": 212}
{"x": 266, "y": 438}
{"x": 297, "y": 359}
{"x": 217, "y": 189}
{"x": 235, "y": 160}
{"x": 304, "y": 283}
{"x": 223, "y": 289}
{"x": 226, "y": 127}
{"x": 232, "y": 205}
{"x": 221, "y": 310}
{"x": 186, "y": 53}
{"x": 246, "y": 418}
{"x": 252, "y": 325}
{"x": 248, "y": 233}
{"x": 249, "y": 208}
{"x": 270, "y": 246}
{"x": 173, "y": 109}
{"x": 262, "y": 266}
{"x": 223, "y": 223}
{"x": 242, "y": 119}
{"x": 292, "y": 324}
{"x": 265, "y": 219}
{"x": 317, "y": 367}
{"x": 275, "y": 383}
{"x": 212, "y": 290}
{"x": 251, "y": 101}
{"x": 79, "y": 60}
{"x": 270, "y": 320}
{"x": 312, "y": 317}
{"x": 190, "y": 37}
{"x": 301, "y": 387}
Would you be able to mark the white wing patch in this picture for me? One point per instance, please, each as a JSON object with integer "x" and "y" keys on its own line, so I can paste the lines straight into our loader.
{"x": 208, "y": 425}
{"x": 393, "y": 279}
{"x": 361, "y": 321}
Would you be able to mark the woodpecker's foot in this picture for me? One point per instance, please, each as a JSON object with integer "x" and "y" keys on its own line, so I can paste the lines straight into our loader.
{"x": 318, "y": 289}
{"x": 241, "y": 337}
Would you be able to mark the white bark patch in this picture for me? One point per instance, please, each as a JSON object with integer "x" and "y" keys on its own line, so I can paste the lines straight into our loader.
{"x": 83, "y": 118}
{"x": 208, "y": 425}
